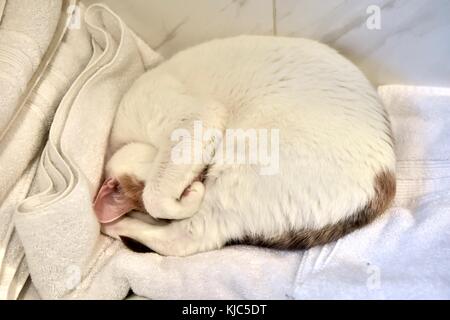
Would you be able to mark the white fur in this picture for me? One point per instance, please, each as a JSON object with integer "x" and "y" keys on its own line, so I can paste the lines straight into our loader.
{"x": 334, "y": 140}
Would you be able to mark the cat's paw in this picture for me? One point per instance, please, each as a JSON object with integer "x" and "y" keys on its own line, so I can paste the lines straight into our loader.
{"x": 192, "y": 197}
{"x": 166, "y": 207}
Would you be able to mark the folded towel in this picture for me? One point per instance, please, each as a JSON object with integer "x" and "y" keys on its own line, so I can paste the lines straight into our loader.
{"x": 25, "y": 138}
{"x": 11, "y": 250}
{"x": 57, "y": 226}
{"x": 2, "y": 9}
{"x": 25, "y": 135}
{"x": 26, "y": 29}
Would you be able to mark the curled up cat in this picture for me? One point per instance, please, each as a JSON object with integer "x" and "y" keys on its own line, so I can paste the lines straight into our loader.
{"x": 268, "y": 141}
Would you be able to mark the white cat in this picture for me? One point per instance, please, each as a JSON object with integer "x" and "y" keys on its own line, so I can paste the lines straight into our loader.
{"x": 336, "y": 158}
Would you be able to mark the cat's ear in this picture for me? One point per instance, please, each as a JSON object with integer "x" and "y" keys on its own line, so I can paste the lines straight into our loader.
{"x": 111, "y": 203}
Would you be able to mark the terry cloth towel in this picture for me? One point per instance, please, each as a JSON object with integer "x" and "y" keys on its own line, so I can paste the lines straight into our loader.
{"x": 18, "y": 86}
{"x": 26, "y": 30}
{"x": 57, "y": 226}
{"x": 2, "y": 8}
{"x": 24, "y": 139}
{"x": 406, "y": 249}
{"x": 36, "y": 29}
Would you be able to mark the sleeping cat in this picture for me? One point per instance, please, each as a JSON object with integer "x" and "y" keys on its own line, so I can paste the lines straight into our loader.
{"x": 335, "y": 170}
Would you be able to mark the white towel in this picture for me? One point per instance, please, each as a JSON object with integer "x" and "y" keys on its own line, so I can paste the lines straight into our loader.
{"x": 23, "y": 141}
{"x": 26, "y": 30}
{"x": 2, "y": 9}
{"x": 11, "y": 250}
{"x": 57, "y": 225}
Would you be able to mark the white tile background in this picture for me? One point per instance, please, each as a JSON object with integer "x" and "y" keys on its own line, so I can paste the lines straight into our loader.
{"x": 412, "y": 46}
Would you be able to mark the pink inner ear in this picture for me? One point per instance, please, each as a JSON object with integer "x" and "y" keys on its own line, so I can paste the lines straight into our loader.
{"x": 110, "y": 204}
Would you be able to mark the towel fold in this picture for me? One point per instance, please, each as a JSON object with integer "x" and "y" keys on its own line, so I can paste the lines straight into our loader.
{"x": 2, "y": 9}
{"x": 26, "y": 29}
{"x": 24, "y": 139}
{"x": 25, "y": 136}
{"x": 11, "y": 251}
{"x": 71, "y": 165}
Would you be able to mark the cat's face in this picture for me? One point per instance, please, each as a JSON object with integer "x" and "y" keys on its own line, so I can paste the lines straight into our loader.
{"x": 121, "y": 192}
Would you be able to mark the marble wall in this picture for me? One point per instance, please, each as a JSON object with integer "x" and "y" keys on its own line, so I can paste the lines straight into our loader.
{"x": 392, "y": 41}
